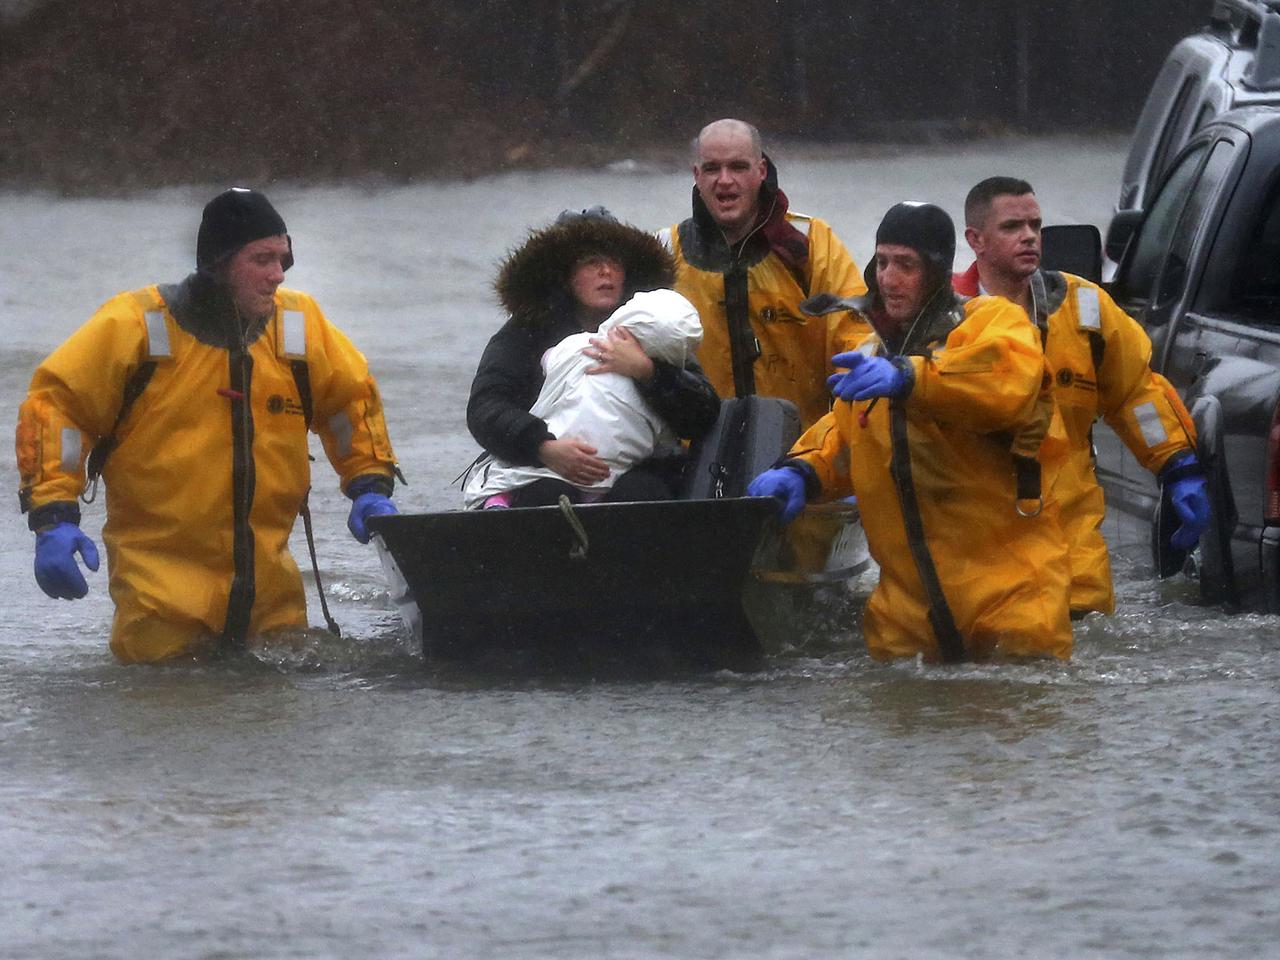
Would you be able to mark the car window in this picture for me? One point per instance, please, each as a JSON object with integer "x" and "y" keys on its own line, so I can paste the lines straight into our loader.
{"x": 1138, "y": 166}
{"x": 1157, "y": 227}
{"x": 1175, "y": 131}
{"x": 1255, "y": 292}
{"x": 1195, "y": 214}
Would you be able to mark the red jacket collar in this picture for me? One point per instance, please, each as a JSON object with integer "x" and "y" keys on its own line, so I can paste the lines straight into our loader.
{"x": 967, "y": 284}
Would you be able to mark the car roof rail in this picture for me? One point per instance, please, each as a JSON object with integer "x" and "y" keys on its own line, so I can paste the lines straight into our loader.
{"x": 1251, "y": 25}
{"x": 1238, "y": 21}
{"x": 1224, "y": 9}
{"x": 1264, "y": 72}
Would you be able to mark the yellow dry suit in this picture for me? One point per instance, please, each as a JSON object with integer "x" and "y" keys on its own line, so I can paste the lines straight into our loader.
{"x": 755, "y": 339}
{"x": 973, "y": 562}
{"x": 1101, "y": 362}
{"x": 210, "y": 464}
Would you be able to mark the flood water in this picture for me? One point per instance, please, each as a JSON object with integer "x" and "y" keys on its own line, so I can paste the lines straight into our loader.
{"x": 339, "y": 798}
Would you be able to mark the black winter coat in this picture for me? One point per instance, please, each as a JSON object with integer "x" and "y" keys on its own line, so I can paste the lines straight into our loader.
{"x": 532, "y": 285}
{"x": 510, "y": 376}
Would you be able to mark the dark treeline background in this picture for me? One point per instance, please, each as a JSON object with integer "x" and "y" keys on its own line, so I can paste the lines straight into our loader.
{"x": 126, "y": 93}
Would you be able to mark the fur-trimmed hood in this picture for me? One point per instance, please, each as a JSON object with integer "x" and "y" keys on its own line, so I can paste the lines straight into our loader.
{"x": 533, "y": 282}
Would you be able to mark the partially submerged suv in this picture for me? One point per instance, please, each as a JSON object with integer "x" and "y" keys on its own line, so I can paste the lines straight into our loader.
{"x": 1199, "y": 268}
{"x": 1233, "y": 62}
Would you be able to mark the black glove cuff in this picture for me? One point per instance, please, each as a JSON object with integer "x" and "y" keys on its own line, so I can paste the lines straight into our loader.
{"x": 1180, "y": 466}
{"x": 908, "y": 374}
{"x": 812, "y": 485}
{"x": 59, "y": 511}
{"x": 370, "y": 483}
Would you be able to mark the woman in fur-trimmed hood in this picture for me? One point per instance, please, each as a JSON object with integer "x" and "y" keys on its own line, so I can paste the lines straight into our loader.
{"x": 564, "y": 279}
{"x": 533, "y": 282}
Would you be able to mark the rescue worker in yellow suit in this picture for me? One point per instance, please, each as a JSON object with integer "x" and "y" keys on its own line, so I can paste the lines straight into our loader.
{"x": 1101, "y": 362}
{"x": 944, "y": 427}
{"x": 195, "y": 399}
{"x": 745, "y": 262}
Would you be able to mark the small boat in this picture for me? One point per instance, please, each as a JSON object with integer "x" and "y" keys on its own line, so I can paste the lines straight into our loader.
{"x": 648, "y": 587}
{"x": 640, "y": 583}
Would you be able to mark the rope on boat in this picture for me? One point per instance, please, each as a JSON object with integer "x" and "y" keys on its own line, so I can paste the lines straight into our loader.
{"x": 579, "y": 550}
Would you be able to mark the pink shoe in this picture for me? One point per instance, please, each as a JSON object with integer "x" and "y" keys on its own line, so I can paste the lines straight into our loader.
{"x": 499, "y": 501}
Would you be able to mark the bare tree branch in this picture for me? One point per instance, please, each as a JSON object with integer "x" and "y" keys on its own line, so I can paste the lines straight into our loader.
{"x": 603, "y": 46}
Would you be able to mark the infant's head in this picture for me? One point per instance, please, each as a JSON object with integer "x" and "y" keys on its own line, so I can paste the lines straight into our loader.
{"x": 664, "y": 322}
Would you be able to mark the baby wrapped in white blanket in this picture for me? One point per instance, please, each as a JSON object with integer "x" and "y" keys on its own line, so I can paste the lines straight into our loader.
{"x": 605, "y": 410}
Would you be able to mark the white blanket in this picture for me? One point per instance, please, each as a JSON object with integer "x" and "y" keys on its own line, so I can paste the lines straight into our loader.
{"x": 605, "y": 410}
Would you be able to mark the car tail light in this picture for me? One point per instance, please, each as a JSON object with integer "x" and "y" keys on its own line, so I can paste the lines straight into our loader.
{"x": 1273, "y": 470}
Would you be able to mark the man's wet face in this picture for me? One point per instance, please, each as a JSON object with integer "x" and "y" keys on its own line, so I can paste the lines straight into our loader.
{"x": 1008, "y": 242}
{"x": 253, "y": 274}
{"x": 901, "y": 277}
{"x": 728, "y": 176}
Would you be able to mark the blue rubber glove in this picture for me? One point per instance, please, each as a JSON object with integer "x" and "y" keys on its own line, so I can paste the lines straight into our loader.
{"x": 362, "y": 508}
{"x": 867, "y": 377}
{"x": 783, "y": 484}
{"x": 56, "y": 569}
{"x": 1190, "y": 497}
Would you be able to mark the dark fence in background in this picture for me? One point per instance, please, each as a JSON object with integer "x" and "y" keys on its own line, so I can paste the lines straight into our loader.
{"x": 128, "y": 92}
{"x": 841, "y": 68}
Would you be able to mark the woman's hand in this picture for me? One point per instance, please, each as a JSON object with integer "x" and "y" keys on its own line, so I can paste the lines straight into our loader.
{"x": 574, "y": 460}
{"x": 620, "y": 352}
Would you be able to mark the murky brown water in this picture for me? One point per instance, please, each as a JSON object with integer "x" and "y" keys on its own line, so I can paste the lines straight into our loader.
{"x": 343, "y": 798}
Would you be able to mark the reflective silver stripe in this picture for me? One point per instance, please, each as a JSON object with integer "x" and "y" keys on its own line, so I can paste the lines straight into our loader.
{"x": 1149, "y": 423}
{"x": 1088, "y": 308}
{"x": 343, "y": 431}
{"x": 295, "y": 333}
{"x": 157, "y": 334}
{"x": 664, "y": 237}
{"x": 70, "y": 450}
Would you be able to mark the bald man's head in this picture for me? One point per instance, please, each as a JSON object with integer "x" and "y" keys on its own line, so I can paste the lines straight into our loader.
{"x": 730, "y": 127}
{"x": 728, "y": 171}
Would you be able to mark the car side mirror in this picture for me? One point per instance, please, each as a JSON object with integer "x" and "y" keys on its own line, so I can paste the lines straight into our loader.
{"x": 1124, "y": 225}
{"x": 1073, "y": 248}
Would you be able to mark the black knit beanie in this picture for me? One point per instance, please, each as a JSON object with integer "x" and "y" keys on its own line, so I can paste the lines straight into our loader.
{"x": 232, "y": 219}
{"x": 924, "y": 228}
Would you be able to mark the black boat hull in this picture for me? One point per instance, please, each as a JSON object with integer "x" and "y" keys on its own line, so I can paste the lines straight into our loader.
{"x": 658, "y": 584}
